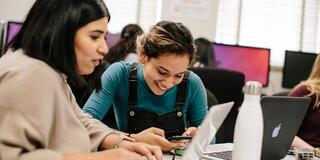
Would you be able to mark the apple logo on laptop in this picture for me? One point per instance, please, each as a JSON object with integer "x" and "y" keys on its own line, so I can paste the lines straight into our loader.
{"x": 276, "y": 131}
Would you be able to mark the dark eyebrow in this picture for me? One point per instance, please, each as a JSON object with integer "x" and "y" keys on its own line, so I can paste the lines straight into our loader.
{"x": 168, "y": 70}
{"x": 99, "y": 31}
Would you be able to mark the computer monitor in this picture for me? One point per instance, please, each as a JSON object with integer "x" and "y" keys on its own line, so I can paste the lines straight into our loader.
{"x": 112, "y": 39}
{"x": 251, "y": 61}
{"x": 2, "y": 27}
{"x": 12, "y": 30}
{"x": 297, "y": 67}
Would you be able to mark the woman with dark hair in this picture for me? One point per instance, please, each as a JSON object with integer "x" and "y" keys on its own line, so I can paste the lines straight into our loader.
{"x": 158, "y": 98}
{"x": 39, "y": 118}
{"x": 125, "y": 48}
{"x": 205, "y": 54}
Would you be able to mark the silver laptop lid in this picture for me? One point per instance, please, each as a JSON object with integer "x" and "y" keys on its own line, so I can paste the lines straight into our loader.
{"x": 207, "y": 130}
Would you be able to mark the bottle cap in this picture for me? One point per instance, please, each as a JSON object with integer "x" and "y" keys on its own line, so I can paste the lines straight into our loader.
{"x": 252, "y": 87}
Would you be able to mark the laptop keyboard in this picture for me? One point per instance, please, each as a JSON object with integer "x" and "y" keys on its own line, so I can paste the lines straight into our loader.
{"x": 225, "y": 155}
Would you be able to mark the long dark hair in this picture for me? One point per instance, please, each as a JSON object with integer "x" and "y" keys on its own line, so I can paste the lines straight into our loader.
{"x": 205, "y": 53}
{"x": 49, "y": 30}
{"x": 125, "y": 45}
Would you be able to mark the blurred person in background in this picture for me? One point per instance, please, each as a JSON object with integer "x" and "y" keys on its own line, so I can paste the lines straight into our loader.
{"x": 308, "y": 135}
{"x": 205, "y": 54}
{"x": 125, "y": 48}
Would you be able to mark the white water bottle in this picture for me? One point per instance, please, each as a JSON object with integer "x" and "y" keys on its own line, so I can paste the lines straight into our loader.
{"x": 248, "y": 131}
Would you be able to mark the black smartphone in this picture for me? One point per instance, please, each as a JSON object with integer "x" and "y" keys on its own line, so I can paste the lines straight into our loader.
{"x": 179, "y": 138}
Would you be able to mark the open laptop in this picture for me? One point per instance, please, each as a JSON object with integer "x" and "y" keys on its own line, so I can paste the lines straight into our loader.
{"x": 282, "y": 119}
{"x": 207, "y": 130}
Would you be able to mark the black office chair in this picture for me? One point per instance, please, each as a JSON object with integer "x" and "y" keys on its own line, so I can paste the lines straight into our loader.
{"x": 227, "y": 86}
{"x": 212, "y": 100}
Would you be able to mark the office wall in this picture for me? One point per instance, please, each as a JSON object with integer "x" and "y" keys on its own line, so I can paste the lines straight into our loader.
{"x": 14, "y": 9}
{"x": 203, "y": 26}
{"x": 200, "y": 16}
{"x": 275, "y": 82}
{"x": 202, "y": 23}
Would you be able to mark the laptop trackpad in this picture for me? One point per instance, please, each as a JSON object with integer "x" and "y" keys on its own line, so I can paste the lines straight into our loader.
{"x": 218, "y": 152}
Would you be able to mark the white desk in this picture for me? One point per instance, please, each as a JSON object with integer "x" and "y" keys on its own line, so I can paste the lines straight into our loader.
{"x": 169, "y": 157}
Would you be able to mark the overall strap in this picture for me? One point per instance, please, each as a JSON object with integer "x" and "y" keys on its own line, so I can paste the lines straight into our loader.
{"x": 182, "y": 91}
{"x": 133, "y": 84}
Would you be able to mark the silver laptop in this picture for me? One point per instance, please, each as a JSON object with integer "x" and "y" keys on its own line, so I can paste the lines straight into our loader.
{"x": 282, "y": 117}
{"x": 207, "y": 131}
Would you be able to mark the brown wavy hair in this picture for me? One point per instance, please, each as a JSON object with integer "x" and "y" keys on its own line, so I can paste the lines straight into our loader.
{"x": 167, "y": 37}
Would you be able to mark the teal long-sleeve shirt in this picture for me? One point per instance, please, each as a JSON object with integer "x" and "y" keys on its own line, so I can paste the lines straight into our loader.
{"x": 115, "y": 90}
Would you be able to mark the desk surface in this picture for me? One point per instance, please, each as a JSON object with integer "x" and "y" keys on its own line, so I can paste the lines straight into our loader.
{"x": 169, "y": 157}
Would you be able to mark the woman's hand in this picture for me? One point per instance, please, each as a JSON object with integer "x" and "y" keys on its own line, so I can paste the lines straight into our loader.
{"x": 300, "y": 143}
{"x": 155, "y": 136}
{"x": 116, "y": 140}
{"x": 152, "y": 152}
{"x": 114, "y": 154}
{"x": 191, "y": 131}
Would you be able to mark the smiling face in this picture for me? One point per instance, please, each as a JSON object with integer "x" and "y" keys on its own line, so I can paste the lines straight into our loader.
{"x": 90, "y": 45}
{"x": 165, "y": 72}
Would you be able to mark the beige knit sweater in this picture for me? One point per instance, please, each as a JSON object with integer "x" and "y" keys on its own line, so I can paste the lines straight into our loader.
{"x": 39, "y": 118}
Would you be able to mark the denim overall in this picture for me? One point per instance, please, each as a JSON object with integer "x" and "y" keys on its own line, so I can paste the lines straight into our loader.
{"x": 139, "y": 119}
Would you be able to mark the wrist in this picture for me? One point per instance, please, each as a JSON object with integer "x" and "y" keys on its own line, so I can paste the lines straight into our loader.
{"x": 132, "y": 135}
{"x": 121, "y": 139}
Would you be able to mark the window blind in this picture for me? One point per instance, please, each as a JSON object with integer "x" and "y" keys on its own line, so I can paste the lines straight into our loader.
{"x": 123, "y": 12}
{"x": 278, "y": 25}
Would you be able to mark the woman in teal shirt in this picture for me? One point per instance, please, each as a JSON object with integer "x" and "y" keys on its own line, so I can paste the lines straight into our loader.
{"x": 165, "y": 53}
